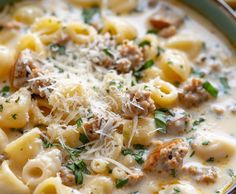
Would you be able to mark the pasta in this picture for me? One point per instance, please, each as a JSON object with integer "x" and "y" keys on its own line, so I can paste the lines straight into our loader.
{"x": 44, "y": 166}
{"x": 122, "y": 29}
{"x": 175, "y": 66}
{"x": 7, "y": 60}
{"x": 9, "y": 183}
{"x": 80, "y": 33}
{"x": 114, "y": 96}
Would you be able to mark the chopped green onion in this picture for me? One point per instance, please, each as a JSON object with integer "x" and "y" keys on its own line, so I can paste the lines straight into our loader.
{"x": 210, "y": 88}
{"x": 144, "y": 43}
{"x": 108, "y": 52}
{"x": 79, "y": 122}
{"x": 121, "y": 182}
{"x": 89, "y": 13}
{"x": 83, "y": 138}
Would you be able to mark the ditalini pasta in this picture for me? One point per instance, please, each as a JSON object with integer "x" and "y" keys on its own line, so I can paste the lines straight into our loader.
{"x": 114, "y": 97}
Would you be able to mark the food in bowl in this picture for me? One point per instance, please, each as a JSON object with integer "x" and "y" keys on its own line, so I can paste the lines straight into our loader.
{"x": 122, "y": 97}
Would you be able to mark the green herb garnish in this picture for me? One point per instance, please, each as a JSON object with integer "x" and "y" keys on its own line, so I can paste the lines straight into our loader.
{"x": 161, "y": 121}
{"x": 159, "y": 51}
{"x": 121, "y": 182}
{"x": 210, "y": 89}
{"x": 205, "y": 143}
{"x": 14, "y": 116}
{"x": 57, "y": 48}
{"x": 231, "y": 173}
{"x": 79, "y": 122}
{"x": 1, "y": 107}
{"x": 5, "y": 90}
{"x": 89, "y": 13}
{"x": 144, "y": 43}
{"x": 83, "y": 138}
{"x": 108, "y": 52}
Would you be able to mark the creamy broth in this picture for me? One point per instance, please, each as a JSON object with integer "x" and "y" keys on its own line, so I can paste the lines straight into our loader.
{"x": 91, "y": 122}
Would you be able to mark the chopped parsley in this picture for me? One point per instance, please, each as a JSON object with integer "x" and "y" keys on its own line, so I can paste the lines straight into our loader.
{"x": 14, "y": 116}
{"x": 161, "y": 121}
{"x": 231, "y": 173}
{"x": 57, "y": 48}
{"x": 83, "y": 138}
{"x": 5, "y": 90}
{"x": 1, "y": 107}
{"x": 196, "y": 123}
{"x": 17, "y": 100}
{"x": 108, "y": 52}
{"x": 192, "y": 154}
{"x": 78, "y": 168}
{"x": 205, "y": 143}
{"x": 159, "y": 51}
{"x": 47, "y": 143}
{"x": 210, "y": 89}
{"x": 198, "y": 73}
{"x": 89, "y": 13}
{"x": 79, "y": 122}
{"x": 137, "y": 153}
{"x": 176, "y": 190}
{"x": 144, "y": 43}
{"x": 152, "y": 31}
{"x": 225, "y": 84}
{"x": 121, "y": 182}
{"x": 146, "y": 65}
{"x": 211, "y": 159}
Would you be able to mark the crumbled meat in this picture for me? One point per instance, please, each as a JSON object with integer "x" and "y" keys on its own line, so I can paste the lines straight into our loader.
{"x": 139, "y": 104}
{"x": 179, "y": 122}
{"x": 167, "y": 156}
{"x": 168, "y": 32}
{"x": 202, "y": 174}
{"x": 67, "y": 176}
{"x": 134, "y": 178}
{"x": 131, "y": 57}
{"x": 27, "y": 67}
{"x": 95, "y": 125}
{"x": 166, "y": 19}
{"x": 193, "y": 94}
{"x": 91, "y": 127}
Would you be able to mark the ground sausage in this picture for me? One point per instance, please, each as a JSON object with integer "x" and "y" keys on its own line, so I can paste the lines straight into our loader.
{"x": 27, "y": 67}
{"x": 193, "y": 94}
{"x": 139, "y": 104}
{"x": 167, "y": 156}
{"x": 67, "y": 176}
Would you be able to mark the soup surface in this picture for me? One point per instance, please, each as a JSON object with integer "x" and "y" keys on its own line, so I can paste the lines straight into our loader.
{"x": 123, "y": 97}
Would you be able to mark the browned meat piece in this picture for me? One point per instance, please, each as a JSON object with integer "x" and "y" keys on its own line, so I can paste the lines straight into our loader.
{"x": 91, "y": 127}
{"x": 131, "y": 57}
{"x": 202, "y": 174}
{"x": 139, "y": 104}
{"x": 167, "y": 20}
{"x": 168, "y": 32}
{"x": 178, "y": 122}
{"x": 193, "y": 93}
{"x": 67, "y": 176}
{"x": 27, "y": 67}
{"x": 167, "y": 156}
{"x": 166, "y": 16}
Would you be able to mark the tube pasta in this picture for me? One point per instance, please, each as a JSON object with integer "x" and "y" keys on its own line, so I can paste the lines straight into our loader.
{"x": 122, "y": 6}
{"x": 120, "y": 28}
{"x": 151, "y": 73}
{"x": 9, "y": 183}
{"x": 32, "y": 42}
{"x": 87, "y": 3}
{"x": 163, "y": 93}
{"x": 49, "y": 29}
{"x": 27, "y": 14}
{"x": 143, "y": 131}
{"x": 45, "y": 165}
{"x": 99, "y": 166}
{"x": 118, "y": 173}
{"x": 175, "y": 66}
{"x": 100, "y": 185}
{"x": 54, "y": 186}
{"x": 24, "y": 148}
{"x": 187, "y": 43}
{"x": 150, "y": 50}
{"x": 81, "y": 33}
{"x": 7, "y": 60}
{"x": 3, "y": 140}
{"x": 15, "y": 111}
